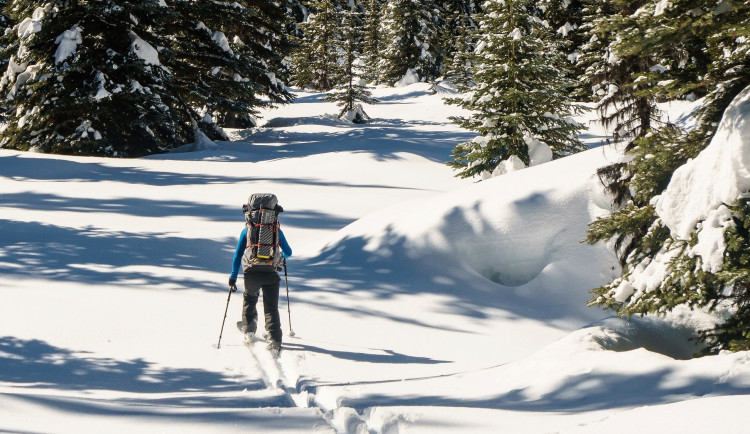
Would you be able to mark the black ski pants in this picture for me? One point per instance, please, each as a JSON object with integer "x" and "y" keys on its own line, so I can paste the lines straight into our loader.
{"x": 268, "y": 282}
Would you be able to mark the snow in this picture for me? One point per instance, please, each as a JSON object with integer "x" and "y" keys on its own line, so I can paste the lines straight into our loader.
{"x": 411, "y": 77}
{"x": 67, "y": 43}
{"x": 221, "y": 40}
{"x": 700, "y": 189}
{"x": 143, "y": 50}
{"x": 661, "y": 7}
{"x": 28, "y": 27}
{"x": 422, "y": 303}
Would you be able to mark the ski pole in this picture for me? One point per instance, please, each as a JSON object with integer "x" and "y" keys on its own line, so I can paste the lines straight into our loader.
{"x": 288, "y": 306}
{"x": 218, "y": 345}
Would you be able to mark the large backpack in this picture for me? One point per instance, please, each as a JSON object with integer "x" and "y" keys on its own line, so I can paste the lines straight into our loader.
{"x": 263, "y": 252}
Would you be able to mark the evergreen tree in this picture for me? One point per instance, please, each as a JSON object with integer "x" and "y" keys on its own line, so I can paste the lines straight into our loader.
{"x": 411, "y": 40}
{"x": 223, "y": 58}
{"x": 624, "y": 108}
{"x": 86, "y": 78}
{"x": 592, "y": 59}
{"x": 352, "y": 91}
{"x": 122, "y": 78}
{"x": 566, "y": 18}
{"x": 5, "y": 24}
{"x": 675, "y": 36}
{"x": 521, "y": 94}
{"x": 458, "y": 42}
{"x": 317, "y": 60}
{"x": 372, "y": 41}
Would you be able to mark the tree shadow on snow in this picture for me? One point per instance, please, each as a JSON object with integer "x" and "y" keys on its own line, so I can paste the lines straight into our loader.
{"x": 351, "y": 268}
{"x": 27, "y": 166}
{"x": 383, "y": 356}
{"x": 587, "y": 392}
{"x": 95, "y": 256}
{"x": 30, "y": 167}
{"x": 37, "y": 364}
{"x": 384, "y": 139}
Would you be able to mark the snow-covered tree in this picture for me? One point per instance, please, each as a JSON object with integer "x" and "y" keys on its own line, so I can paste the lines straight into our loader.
{"x": 680, "y": 241}
{"x": 411, "y": 40}
{"x": 316, "y": 61}
{"x": 87, "y": 78}
{"x": 519, "y": 104}
{"x": 224, "y": 58}
{"x": 566, "y": 18}
{"x": 458, "y": 43}
{"x": 372, "y": 41}
{"x": 122, "y": 78}
{"x": 592, "y": 59}
{"x": 352, "y": 90}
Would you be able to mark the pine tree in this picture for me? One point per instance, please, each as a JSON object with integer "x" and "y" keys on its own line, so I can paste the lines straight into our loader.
{"x": 566, "y": 18}
{"x": 222, "y": 57}
{"x": 593, "y": 54}
{"x": 258, "y": 37}
{"x": 352, "y": 90}
{"x": 675, "y": 36}
{"x": 122, "y": 78}
{"x": 411, "y": 40}
{"x": 316, "y": 60}
{"x": 86, "y": 78}
{"x": 458, "y": 42}
{"x": 372, "y": 41}
{"x": 5, "y": 24}
{"x": 520, "y": 97}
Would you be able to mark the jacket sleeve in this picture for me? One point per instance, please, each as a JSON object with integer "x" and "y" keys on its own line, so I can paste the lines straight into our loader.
{"x": 238, "y": 252}
{"x": 286, "y": 250}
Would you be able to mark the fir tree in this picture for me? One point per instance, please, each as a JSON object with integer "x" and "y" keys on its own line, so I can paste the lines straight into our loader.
{"x": 566, "y": 18}
{"x": 458, "y": 42}
{"x": 674, "y": 36}
{"x": 372, "y": 41}
{"x": 124, "y": 79}
{"x": 411, "y": 40}
{"x": 85, "y": 78}
{"x": 317, "y": 60}
{"x": 352, "y": 91}
{"x": 520, "y": 97}
{"x": 222, "y": 57}
{"x": 592, "y": 59}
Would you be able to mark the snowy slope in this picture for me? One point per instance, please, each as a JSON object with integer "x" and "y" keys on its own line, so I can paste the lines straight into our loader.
{"x": 420, "y": 302}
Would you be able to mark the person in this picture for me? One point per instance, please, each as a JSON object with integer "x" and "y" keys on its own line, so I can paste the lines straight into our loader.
{"x": 264, "y": 279}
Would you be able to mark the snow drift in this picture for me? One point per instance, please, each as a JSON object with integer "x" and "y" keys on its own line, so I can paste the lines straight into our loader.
{"x": 518, "y": 235}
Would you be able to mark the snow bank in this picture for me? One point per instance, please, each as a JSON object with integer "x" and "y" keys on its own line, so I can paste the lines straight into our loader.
{"x": 499, "y": 232}
{"x": 718, "y": 176}
{"x": 411, "y": 77}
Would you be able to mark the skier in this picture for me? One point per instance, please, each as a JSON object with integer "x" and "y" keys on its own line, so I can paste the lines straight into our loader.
{"x": 256, "y": 279}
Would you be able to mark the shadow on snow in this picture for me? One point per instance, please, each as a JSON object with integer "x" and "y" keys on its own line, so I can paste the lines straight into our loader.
{"x": 384, "y": 139}
{"x": 37, "y": 364}
{"x": 586, "y": 392}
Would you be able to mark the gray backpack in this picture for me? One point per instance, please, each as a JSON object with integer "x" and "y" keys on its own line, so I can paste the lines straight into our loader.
{"x": 263, "y": 252}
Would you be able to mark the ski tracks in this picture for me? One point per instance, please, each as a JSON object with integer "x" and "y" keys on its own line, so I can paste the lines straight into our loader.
{"x": 281, "y": 373}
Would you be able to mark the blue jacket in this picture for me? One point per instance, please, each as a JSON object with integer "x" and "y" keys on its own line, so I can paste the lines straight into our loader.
{"x": 286, "y": 251}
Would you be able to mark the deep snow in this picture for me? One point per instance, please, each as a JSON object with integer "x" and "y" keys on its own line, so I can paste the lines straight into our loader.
{"x": 421, "y": 303}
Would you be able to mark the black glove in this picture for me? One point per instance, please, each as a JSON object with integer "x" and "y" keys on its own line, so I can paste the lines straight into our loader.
{"x": 232, "y": 284}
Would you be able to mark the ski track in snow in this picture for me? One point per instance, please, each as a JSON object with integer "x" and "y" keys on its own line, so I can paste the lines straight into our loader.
{"x": 279, "y": 373}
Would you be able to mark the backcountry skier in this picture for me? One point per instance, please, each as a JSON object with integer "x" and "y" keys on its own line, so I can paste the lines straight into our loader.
{"x": 260, "y": 249}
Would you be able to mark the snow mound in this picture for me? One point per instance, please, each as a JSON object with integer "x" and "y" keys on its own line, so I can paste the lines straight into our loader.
{"x": 671, "y": 335}
{"x": 493, "y": 234}
{"x": 718, "y": 176}
{"x": 284, "y": 122}
{"x": 411, "y": 77}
